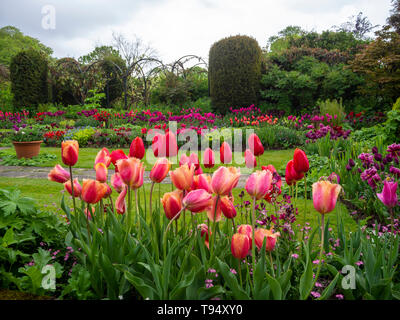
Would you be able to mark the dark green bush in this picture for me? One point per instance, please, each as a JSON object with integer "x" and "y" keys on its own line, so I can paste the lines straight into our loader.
{"x": 28, "y": 74}
{"x": 234, "y": 72}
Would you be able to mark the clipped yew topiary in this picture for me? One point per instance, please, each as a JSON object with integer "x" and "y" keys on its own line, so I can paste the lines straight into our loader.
{"x": 234, "y": 72}
{"x": 28, "y": 75}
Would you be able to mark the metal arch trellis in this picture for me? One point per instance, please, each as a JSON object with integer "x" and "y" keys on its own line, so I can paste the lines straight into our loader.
{"x": 82, "y": 72}
{"x": 178, "y": 66}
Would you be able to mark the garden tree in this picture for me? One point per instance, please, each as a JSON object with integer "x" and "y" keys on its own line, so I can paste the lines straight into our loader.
{"x": 29, "y": 74}
{"x": 140, "y": 59}
{"x": 110, "y": 62}
{"x": 234, "y": 72}
{"x": 5, "y": 89}
{"x": 304, "y": 67}
{"x": 358, "y": 25}
{"x": 70, "y": 79}
{"x": 12, "y": 41}
{"x": 379, "y": 62}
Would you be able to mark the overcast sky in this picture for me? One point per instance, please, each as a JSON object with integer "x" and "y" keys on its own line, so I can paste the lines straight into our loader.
{"x": 176, "y": 27}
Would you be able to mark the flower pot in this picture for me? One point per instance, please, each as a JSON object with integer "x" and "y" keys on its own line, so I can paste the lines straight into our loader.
{"x": 27, "y": 149}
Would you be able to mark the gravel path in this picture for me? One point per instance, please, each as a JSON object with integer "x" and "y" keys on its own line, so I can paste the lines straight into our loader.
{"x": 42, "y": 172}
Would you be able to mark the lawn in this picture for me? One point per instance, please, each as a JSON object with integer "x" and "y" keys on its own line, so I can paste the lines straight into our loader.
{"x": 278, "y": 158}
{"x": 48, "y": 195}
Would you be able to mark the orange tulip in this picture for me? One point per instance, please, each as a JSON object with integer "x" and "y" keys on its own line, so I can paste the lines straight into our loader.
{"x": 271, "y": 237}
{"x": 77, "y": 188}
{"x": 101, "y": 172}
{"x": 59, "y": 174}
{"x": 131, "y": 171}
{"x": 69, "y": 152}
{"x": 120, "y": 203}
{"x": 240, "y": 245}
{"x": 182, "y": 177}
{"x": 259, "y": 183}
{"x": 160, "y": 170}
{"x": 93, "y": 191}
{"x": 224, "y": 180}
{"x": 172, "y": 203}
{"x": 197, "y": 200}
{"x": 247, "y": 230}
{"x": 325, "y": 195}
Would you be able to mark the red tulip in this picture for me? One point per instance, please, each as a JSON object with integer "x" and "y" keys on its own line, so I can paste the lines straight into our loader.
{"x": 247, "y": 230}
{"x": 250, "y": 159}
{"x": 255, "y": 145}
{"x": 300, "y": 161}
{"x": 228, "y": 208}
{"x": 291, "y": 175}
{"x": 160, "y": 170}
{"x": 77, "y": 188}
{"x": 172, "y": 203}
{"x": 117, "y": 155}
{"x": 240, "y": 245}
{"x": 59, "y": 174}
{"x": 165, "y": 145}
{"x": 225, "y": 153}
{"x": 93, "y": 191}
{"x": 69, "y": 152}
{"x": 137, "y": 148}
{"x": 208, "y": 158}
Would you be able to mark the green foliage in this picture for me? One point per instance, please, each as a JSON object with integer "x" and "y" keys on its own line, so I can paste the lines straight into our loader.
{"x": 12, "y": 41}
{"x": 6, "y": 97}
{"x": 32, "y": 133}
{"x": 12, "y": 160}
{"x": 82, "y": 135}
{"x": 93, "y": 99}
{"x": 396, "y": 105}
{"x": 276, "y": 137}
{"x": 28, "y": 74}
{"x": 391, "y": 127}
{"x": 333, "y": 108}
{"x": 234, "y": 72}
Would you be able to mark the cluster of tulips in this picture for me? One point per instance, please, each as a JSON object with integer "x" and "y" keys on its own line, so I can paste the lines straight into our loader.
{"x": 195, "y": 191}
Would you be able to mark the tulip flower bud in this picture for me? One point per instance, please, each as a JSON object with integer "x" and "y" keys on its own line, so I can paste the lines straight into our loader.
{"x": 240, "y": 245}
{"x": 103, "y": 156}
{"x": 255, "y": 145}
{"x": 136, "y": 149}
{"x": 117, "y": 182}
{"x": 325, "y": 195}
{"x": 182, "y": 177}
{"x": 300, "y": 161}
{"x": 101, "y": 172}
{"x": 225, "y": 153}
{"x": 160, "y": 170}
{"x": 208, "y": 158}
{"x": 250, "y": 159}
{"x": 228, "y": 208}
{"x": 69, "y": 152}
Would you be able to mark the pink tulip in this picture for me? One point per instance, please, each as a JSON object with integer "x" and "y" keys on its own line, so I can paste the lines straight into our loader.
{"x": 259, "y": 183}
{"x": 208, "y": 158}
{"x": 325, "y": 195}
{"x": 184, "y": 160}
{"x": 120, "y": 203}
{"x": 240, "y": 245}
{"x": 224, "y": 180}
{"x": 131, "y": 171}
{"x": 103, "y": 156}
{"x": 388, "y": 196}
{"x": 225, "y": 153}
{"x": 101, "y": 172}
{"x": 197, "y": 200}
{"x": 117, "y": 182}
{"x": 59, "y": 174}
{"x": 160, "y": 170}
{"x": 250, "y": 159}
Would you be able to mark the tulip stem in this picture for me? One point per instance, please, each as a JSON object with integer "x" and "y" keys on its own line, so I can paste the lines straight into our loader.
{"x": 166, "y": 232}
{"x": 253, "y": 247}
{"x": 272, "y": 264}
{"x": 240, "y": 274}
{"x": 213, "y": 235}
{"x": 87, "y": 219}
{"x": 72, "y": 188}
{"x": 320, "y": 253}
{"x": 234, "y": 226}
{"x": 137, "y": 212}
{"x": 150, "y": 205}
{"x": 305, "y": 205}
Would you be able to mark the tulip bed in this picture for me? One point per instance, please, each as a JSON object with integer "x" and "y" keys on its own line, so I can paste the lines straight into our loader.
{"x": 200, "y": 237}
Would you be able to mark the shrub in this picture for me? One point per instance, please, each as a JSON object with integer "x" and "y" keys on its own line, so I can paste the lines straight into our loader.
{"x": 333, "y": 108}
{"x": 28, "y": 74}
{"x": 234, "y": 72}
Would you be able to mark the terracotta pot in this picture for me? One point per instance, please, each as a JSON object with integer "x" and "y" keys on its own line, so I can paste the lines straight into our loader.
{"x": 27, "y": 149}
